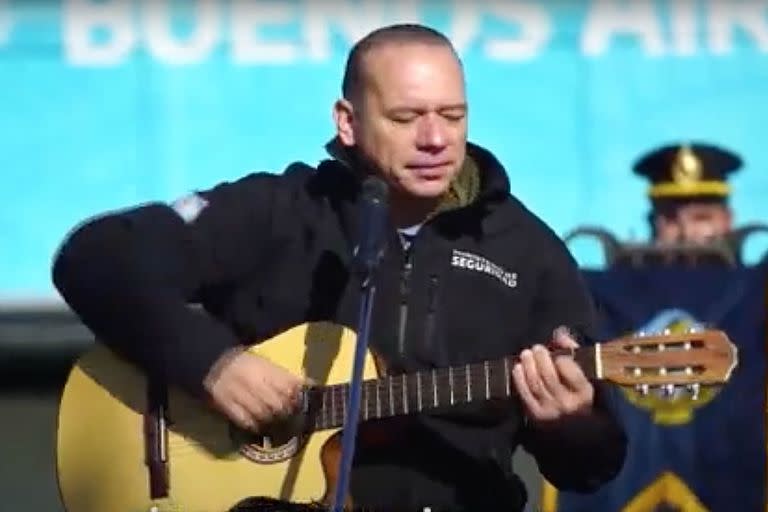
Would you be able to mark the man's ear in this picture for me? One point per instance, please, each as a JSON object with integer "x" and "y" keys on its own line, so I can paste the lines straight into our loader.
{"x": 728, "y": 216}
{"x": 343, "y": 117}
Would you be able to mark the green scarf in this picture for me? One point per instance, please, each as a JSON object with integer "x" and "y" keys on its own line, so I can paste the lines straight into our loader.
{"x": 464, "y": 188}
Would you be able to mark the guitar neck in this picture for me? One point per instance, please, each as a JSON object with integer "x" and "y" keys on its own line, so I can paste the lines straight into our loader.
{"x": 408, "y": 393}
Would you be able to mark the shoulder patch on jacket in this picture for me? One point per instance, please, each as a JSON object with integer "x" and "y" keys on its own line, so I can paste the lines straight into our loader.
{"x": 189, "y": 207}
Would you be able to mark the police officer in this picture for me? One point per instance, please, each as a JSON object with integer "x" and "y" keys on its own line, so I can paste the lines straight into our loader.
{"x": 689, "y": 192}
{"x": 469, "y": 274}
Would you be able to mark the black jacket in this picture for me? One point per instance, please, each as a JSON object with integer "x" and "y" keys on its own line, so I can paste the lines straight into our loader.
{"x": 271, "y": 251}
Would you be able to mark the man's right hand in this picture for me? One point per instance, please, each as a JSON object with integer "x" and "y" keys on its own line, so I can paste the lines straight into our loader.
{"x": 251, "y": 391}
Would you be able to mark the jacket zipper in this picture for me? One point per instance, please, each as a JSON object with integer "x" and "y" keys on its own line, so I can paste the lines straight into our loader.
{"x": 405, "y": 288}
{"x": 429, "y": 330}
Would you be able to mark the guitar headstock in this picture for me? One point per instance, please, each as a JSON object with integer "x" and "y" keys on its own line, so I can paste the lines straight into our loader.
{"x": 666, "y": 361}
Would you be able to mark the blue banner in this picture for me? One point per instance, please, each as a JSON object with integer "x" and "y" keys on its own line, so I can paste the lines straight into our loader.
{"x": 689, "y": 455}
{"x": 108, "y": 103}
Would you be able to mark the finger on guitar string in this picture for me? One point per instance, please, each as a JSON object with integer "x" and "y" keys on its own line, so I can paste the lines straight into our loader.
{"x": 563, "y": 338}
{"x": 530, "y": 402}
{"x": 549, "y": 375}
{"x": 289, "y": 393}
{"x": 572, "y": 376}
{"x": 241, "y": 416}
{"x": 534, "y": 379}
{"x": 262, "y": 388}
{"x": 263, "y": 403}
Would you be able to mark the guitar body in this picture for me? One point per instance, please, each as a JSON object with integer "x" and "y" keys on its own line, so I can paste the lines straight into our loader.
{"x": 101, "y": 463}
{"x": 115, "y": 454}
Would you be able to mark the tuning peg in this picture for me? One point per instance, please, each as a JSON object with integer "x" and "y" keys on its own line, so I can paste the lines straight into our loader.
{"x": 668, "y": 390}
{"x": 640, "y": 334}
{"x": 694, "y": 329}
{"x": 667, "y": 331}
{"x": 694, "y": 390}
{"x": 642, "y": 389}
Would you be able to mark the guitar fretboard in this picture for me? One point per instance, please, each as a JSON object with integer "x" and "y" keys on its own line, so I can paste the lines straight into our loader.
{"x": 415, "y": 392}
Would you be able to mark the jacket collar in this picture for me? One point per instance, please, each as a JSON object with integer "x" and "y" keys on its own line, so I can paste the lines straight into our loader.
{"x": 494, "y": 183}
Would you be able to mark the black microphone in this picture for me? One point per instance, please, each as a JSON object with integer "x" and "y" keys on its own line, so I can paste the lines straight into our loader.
{"x": 372, "y": 226}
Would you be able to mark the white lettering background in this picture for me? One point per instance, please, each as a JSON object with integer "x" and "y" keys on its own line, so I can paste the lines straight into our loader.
{"x": 109, "y": 103}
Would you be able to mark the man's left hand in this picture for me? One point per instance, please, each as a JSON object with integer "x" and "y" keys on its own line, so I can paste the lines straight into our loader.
{"x": 552, "y": 388}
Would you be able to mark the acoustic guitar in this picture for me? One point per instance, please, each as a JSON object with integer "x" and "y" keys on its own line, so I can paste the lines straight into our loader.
{"x": 125, "y": 444}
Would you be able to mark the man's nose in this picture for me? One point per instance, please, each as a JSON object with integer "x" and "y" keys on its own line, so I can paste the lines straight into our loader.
{"x": 432, "y": 135}
{"x": 699, "y": 231}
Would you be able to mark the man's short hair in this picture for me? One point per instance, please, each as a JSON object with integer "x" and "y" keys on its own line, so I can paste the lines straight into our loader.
{"x": 353, "y": 80}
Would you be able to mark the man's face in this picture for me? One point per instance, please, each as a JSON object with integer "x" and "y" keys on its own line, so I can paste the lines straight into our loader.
{"x": 410, "y": 121}
{"x": 694, "y": 223}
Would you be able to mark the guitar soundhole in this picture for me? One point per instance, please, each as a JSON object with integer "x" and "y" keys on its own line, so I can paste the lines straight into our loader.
{"x": 277, "y": 442}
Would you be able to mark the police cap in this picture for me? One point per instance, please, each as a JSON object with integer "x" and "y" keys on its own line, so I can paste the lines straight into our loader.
{"x": 688, "y": 172}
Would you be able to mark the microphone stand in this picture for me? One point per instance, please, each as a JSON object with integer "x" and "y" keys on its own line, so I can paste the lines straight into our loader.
{"x": 366, "y": 261}
{"x": 368, "y": 291}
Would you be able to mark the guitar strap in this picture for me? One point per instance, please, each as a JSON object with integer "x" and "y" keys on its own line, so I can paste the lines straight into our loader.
{"x": 156, "y": 438}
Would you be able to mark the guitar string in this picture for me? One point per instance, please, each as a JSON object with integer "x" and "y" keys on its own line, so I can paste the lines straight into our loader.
{"x": 334, "y": 418}
{"x": 483, "y": 375}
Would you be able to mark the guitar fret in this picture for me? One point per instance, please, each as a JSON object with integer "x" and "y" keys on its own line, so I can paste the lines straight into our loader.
{"x": 332, "y": 415}
{"x": 506, "y": 376}
{"x": 405, "y": 393}
{"x": 487, "y": 381}
{"x": 333, "y": 405}
{"x": 344, "y": 396}
{"x": 469, "y": 384}
{"x": 324, "y": 413}
{"x": 418, "y": 391}
{"x": 336, "y": 413}
{"x": 434, "y": 387}
{"x": 391, "y": 398}
{"x": 378, "y": 400}
{"x": 450, "y": 382}
{"x": 365, "y": 400}
{"x": 332, "y": 411}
